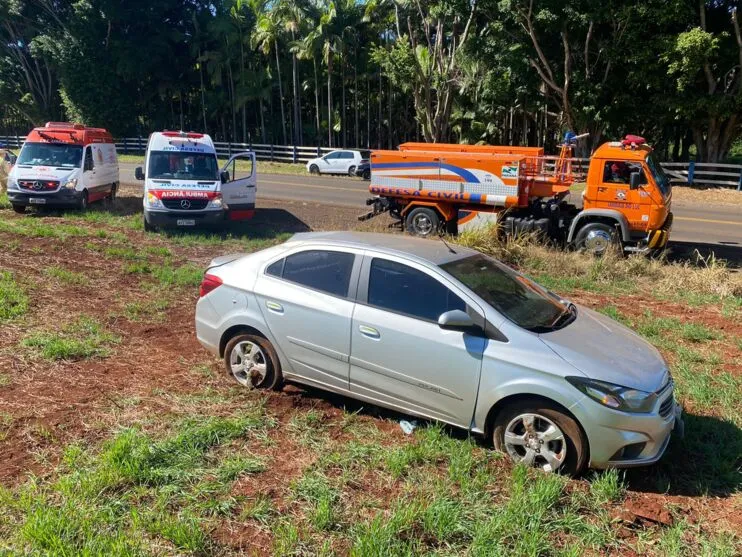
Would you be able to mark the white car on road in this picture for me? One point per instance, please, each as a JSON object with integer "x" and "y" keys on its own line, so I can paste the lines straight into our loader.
{"x": 337, "y": 162}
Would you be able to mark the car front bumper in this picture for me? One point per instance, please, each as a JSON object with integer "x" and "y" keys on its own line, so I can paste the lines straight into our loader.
{"x": 624, "y": 440}
{"x": 178, "y": 218}
{"x": 63, "y": 197}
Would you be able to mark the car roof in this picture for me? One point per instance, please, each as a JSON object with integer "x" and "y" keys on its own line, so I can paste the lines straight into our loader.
{"x": 432, "y": 251}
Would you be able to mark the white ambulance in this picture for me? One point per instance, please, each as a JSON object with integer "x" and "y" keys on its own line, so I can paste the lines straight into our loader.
{"x": 184, "y": 187}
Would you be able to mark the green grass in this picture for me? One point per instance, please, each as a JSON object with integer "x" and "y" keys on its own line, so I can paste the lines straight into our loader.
{"x": 82, "y": 339}
{"x": 65, "y": 276}
{"x": 13, "y": 299}
{"x": 4, "y": 203}
{"x": 136, "y": 494}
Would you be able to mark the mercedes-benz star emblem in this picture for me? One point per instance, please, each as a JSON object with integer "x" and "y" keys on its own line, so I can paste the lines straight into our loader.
{"x": 185, "y": 204}
{"x": 37, "y": 185}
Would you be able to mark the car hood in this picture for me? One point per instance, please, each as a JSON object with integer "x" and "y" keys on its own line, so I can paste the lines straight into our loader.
{"x": 605, "y": 350}
{"x": 42, "y": 173}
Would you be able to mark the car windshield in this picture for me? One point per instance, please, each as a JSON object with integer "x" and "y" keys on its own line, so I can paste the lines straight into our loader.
{"x": 519, "y": 299}
{"x": 186, "y": 166}
{"x": 658, "y": 173}
{"x": 50, "y": 154}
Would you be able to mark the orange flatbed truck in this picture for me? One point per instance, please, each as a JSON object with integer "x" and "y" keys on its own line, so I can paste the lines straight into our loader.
{"x": 432, "y": 188}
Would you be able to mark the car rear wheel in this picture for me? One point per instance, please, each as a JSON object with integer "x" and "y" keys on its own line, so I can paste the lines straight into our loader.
{"x": 20, "y": 209}
{"x": 314, "y": 169}
{"x": 422, "y": 221}
{"x": 366, "y": 174}
{"x": 252, "y": 362}
{"x": 540, "y": 435}
{"x": 351, "y": 171}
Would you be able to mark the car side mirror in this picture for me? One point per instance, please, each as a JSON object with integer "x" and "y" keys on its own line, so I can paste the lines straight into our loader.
{"x": 139, "y": 173}
{"x": 224, "y": 176}
{"x": 13, "y": 158}
{"x": 457, "y": 320}
{"x": 634, "y": 180}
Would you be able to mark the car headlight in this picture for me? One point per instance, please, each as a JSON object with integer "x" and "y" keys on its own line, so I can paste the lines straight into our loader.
{"x": 12, "y": 184}
{"x": 152, "y": 201}
{"x": 615, "y": 396}
{"x": 216, "y": 202}
{"x": 71, "y": 184}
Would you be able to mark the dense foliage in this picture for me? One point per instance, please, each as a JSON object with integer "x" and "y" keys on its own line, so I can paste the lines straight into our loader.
{"x": 378, "y": 72}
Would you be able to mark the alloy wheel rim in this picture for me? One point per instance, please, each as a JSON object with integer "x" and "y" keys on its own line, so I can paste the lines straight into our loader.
{"x": 597, "y": 241}
{"x": 248, "y": 364}
{"x": 535, "y": 441}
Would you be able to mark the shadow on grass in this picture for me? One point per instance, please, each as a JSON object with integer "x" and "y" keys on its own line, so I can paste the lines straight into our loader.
{"x": 690, "y": 251}
{"x": 708, "y": 461}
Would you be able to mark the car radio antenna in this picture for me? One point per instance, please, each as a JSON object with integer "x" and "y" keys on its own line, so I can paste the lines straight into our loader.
{"x": 450, "y": 249}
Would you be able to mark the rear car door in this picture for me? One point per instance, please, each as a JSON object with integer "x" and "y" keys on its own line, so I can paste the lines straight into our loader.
{"x": 239, "y": 191}
{"x": 307, "y": 300}
{"x": 399, "y": 354}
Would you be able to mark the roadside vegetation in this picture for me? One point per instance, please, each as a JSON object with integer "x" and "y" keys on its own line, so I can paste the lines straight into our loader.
{"x": 141, "y": 445}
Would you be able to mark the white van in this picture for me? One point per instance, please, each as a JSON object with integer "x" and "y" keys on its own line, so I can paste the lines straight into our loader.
{"x": 183, "y": 186}
{"x": 64, "y": 165}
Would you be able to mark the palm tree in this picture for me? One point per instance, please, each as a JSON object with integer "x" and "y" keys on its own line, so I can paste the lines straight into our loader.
{"x": 267, "y": 34}
{"x": 310, "y": 48}
{"x": 292, "y": 13}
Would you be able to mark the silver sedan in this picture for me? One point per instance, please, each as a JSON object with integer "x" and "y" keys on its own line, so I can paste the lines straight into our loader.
{"x": 446, "y": 333}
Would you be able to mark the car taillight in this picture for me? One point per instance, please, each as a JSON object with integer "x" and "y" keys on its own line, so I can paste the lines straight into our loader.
{"x": 209, "y": 283}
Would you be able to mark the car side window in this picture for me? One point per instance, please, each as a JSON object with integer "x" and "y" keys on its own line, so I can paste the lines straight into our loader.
{"x": 332, "y": 156}
{"x": 88, "y": 159}
{"x": 396, "y": 287}
{"x": 327, "y": 271}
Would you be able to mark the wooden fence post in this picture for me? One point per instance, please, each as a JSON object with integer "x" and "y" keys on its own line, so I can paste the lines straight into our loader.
{"x": 739, "y": 184}
{"x": 271, "y": 152}
{"x": 295, "y": 155}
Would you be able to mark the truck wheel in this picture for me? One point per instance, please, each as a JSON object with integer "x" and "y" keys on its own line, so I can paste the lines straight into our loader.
{"x": 595, "y": 238}
{"x": 538, "y": 434}
{"x": 20, "y": 209}
{"x": 314, "y": 169}
{"x": 351, "y": 171}
{"x": 422, "y": 221}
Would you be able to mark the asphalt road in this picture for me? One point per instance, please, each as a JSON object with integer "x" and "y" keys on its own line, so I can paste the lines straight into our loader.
{"x": 710, "y": 228}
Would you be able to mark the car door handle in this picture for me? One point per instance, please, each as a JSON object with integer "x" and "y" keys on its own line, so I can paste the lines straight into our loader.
{"x": 274, "y": 307}
{"x": 369, "y": 332}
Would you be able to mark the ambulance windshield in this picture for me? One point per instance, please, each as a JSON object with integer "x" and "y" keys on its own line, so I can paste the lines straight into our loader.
{"x": 185, "y": 166}
{"x": 50, "y": 154}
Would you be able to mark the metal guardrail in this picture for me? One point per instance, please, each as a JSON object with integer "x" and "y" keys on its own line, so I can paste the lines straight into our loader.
{"x": 685, "y": 173}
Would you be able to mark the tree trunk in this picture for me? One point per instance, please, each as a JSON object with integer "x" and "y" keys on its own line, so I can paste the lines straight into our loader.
{"x": 262, "y": 120}
{"x": 329, "y": 99}
{"x": 378, "y": 134}
{"x": 280, "y": 95}
{"x": 343, "y": 121}
{"x": 355, "y": 94}
{"x": 297, "y": 107}
{"x": 316, "y": 102}
{"x": 203, "y": 94}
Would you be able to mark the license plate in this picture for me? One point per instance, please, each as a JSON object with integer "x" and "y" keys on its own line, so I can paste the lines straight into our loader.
{"x": 186, "y": 222}
{"x": 37, "y": 200}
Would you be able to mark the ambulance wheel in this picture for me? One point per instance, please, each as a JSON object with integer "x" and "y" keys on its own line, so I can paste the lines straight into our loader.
{"x": 595, "y": 238}
{"x": 83, "y": 203}
{"x": 147, "y": 226}
{"x": 422, "y": 221}
{"x": 314, "y": 169}
{"x": 352, "y": 171}
{"x": 20, "y": 209}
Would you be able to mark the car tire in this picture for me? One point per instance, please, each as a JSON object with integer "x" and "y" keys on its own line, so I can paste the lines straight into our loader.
{"x": 366, "y": 174}
{"x": 83, "y": 203}
{"x": 265, "y": 367}
{"x": 351, "y": 170}
{"x": 147, "y": 226}
{"x": 20, "y": 209}
{"x": 423, "y": 222}
{"x": 314, "y": 169}
{"x": 596, "y": 238}
{"x": 539, "y": 434}
{"x": 112, "y": 196}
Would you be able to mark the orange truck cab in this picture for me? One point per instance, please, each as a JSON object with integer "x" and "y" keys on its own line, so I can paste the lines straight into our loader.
{"x": 435, "y": 187}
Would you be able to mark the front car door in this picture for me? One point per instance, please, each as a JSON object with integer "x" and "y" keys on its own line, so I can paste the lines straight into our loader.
{"x": 307, "y": 300}
{"x": 239, "y": 191}
{"x": 88, "y": 170}
{"x": 614, "y": 192}
{"x": 331, "y": 163}
{"x": 400, "y": 357}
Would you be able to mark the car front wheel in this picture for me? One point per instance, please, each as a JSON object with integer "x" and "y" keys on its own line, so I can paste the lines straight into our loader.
{"x": 538, "y": 434}
{"x": 352, "y": 171}
{"x": 252, "y": 362}
{"x": 20, "y": 209}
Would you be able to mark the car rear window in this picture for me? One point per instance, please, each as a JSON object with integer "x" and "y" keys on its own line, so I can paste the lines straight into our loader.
{"x": 327, "y": 271}
{"x": 396, "y": 287}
